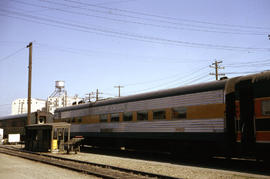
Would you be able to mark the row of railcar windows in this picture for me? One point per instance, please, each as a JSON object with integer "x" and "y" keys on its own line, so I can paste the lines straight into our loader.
{"x": 177, "y": 113}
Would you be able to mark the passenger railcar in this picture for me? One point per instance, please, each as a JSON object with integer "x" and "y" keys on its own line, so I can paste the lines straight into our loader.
{"x": 14, "y": 124}
{"x": 230, "y": 117}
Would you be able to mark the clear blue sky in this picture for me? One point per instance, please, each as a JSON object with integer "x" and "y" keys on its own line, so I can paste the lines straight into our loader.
{"x": 144, "y": 45}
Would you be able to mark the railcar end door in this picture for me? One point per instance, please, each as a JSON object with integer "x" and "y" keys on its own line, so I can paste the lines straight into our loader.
{"x": 247, "y": 115}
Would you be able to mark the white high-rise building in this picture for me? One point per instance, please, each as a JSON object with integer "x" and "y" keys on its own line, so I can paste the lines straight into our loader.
{"x": 20, "y": 106}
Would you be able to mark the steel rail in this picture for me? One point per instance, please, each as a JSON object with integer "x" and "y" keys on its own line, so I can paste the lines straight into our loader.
{"x": 99, "y": 170}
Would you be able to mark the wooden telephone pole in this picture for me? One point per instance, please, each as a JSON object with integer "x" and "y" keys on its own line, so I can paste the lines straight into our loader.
{"x": 29, "y": 84}
{"x": 97, "y": 93}
{"x": 119, "y": 87}
{"x": 217, "y": 67}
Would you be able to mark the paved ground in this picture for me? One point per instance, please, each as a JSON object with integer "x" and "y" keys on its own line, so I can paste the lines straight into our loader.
{"x": 14, "y": 167}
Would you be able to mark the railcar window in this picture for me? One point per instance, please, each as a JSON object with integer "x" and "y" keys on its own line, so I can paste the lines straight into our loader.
{"x": 80, "y": 120}
{"x": 115, "y": 117}
{"x": 266, "y": 107}
{"x": 103, "y": 118}
{"x": 127, "y": 116}
{"x": 142, "y": 116}
{"x": 73, "y": 120}
{"x": 179, "y": 113}
{"x": 161, "y": 114}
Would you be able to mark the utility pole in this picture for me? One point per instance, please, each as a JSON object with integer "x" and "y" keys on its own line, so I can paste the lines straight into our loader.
{"x": 119, "y": 87}
{"x": 89, "y": 96}
{"x": 97, "y": 93}
{"x": 29, "y": 83}
{"x": 217, "y": 67}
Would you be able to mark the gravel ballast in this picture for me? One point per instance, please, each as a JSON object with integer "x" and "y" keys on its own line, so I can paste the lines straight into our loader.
{"x": 163, "y": 168}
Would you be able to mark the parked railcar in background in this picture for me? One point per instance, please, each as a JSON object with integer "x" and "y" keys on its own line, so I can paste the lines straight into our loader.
{"x": 14, "y": 124}
{"x": 228, "y": 117}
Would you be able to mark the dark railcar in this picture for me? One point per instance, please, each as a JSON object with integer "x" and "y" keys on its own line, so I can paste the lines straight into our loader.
{"x": 14, "y": 124}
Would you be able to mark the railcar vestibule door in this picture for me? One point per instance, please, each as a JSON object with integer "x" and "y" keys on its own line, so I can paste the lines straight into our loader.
{"x": 246, "y": 98}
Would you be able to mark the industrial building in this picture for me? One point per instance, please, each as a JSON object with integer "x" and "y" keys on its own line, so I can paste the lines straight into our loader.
{"x": 57, "y": 99}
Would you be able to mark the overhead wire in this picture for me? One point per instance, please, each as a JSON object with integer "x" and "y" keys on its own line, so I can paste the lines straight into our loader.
{"x": 196, "y": 80}
{"x": 133, "y": 22}
{"x": 249, "y": 62}
{"x": 160, "y": 79}
{"x": 251, "y": 65}
{"x": 144, "y": 57}
{"x": 113, "y": 2}
{"x": 191, "y": 78}
{"x": 187, "y": 78}
{"x": 86, "y": 31}
{"x": 165, "y": 17}
{"x": 164, "y": 84}
{"x": 244, "y": 72}
{"x": 12, "y": 54}
{"x": 139, "y": 37}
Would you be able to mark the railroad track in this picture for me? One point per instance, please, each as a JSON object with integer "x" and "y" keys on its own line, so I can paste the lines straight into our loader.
{"x": 99, "y": 170}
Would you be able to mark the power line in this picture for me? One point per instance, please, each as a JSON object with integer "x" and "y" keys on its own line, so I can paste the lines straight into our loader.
{"x": 166, "y": 17}
{"x": 113, "y": 2}
{"x": 12, "y": 54}
{"x": 200, "y": 78}
{"x": 135, "y": 22}
{"x": 110, "y": 13}
{"x": 164, "y": 78}
{"x": 188, "y": 78}
{"x": 243, "y": 72}
{"x": 168, "y": 60}
{"x": 251, "y": 65}
{"x": 87, "y": 31}
{"x": 253, "y": 62}
{"x": 137, "y": 36}
{"x": 191, "y": 78}
{"x": 164, "y": 84}
{"x": 13, "y": 42}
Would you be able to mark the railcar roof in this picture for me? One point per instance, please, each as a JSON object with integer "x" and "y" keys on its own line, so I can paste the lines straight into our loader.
{"x": 155, "y": 94}
{"x": 13, "y": 116}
